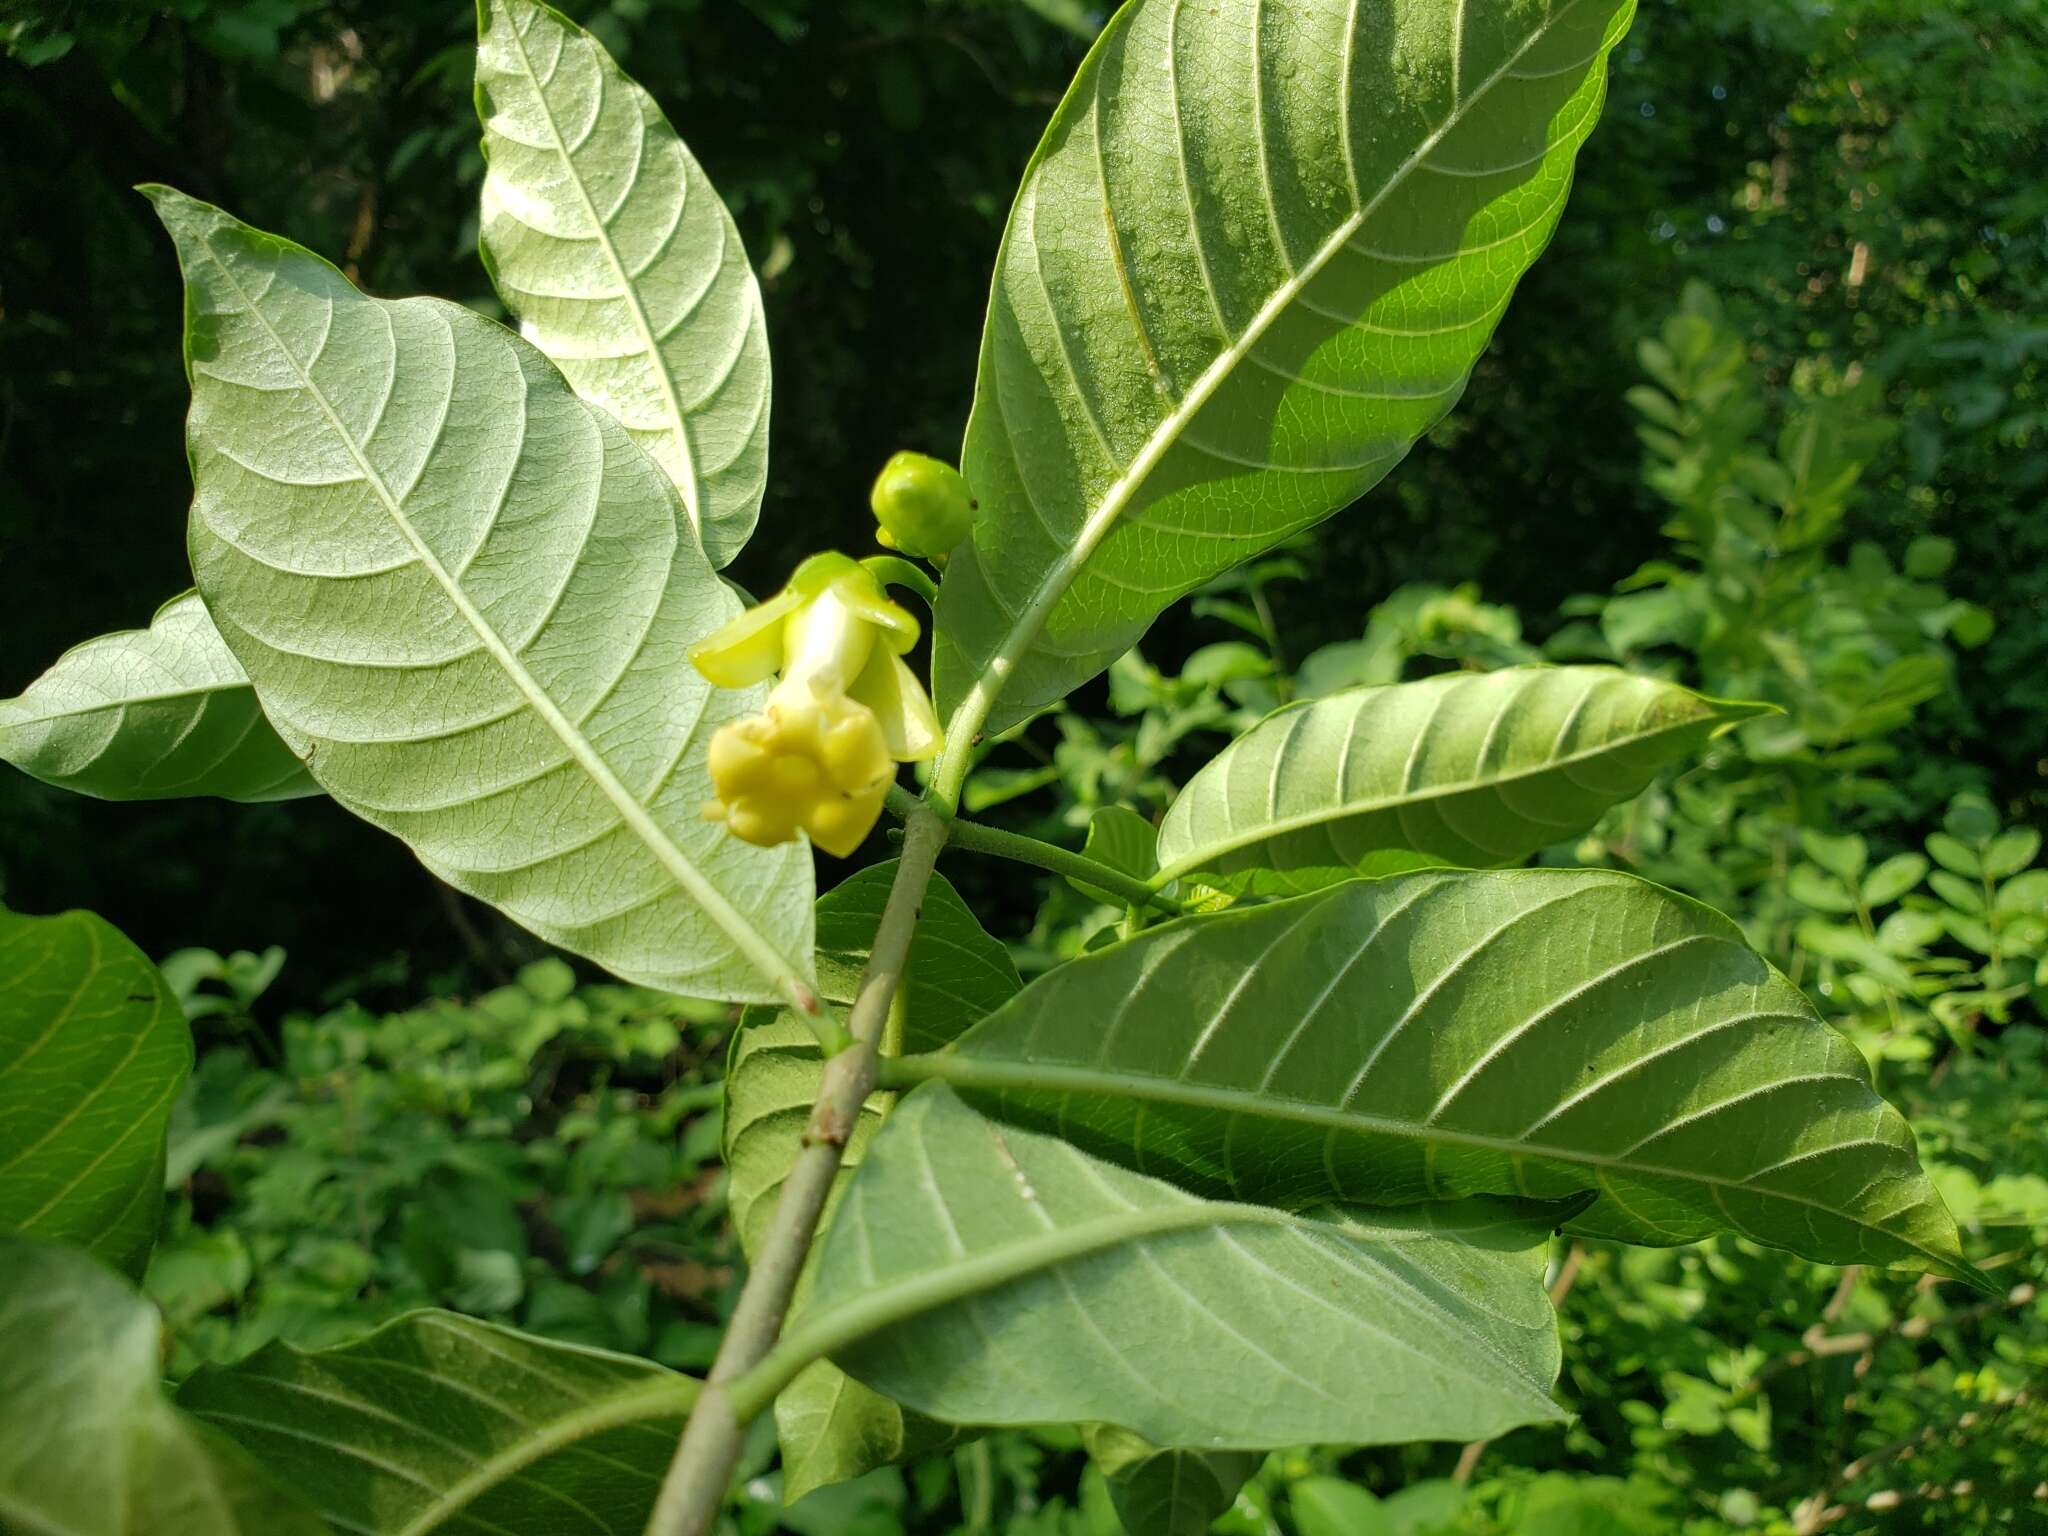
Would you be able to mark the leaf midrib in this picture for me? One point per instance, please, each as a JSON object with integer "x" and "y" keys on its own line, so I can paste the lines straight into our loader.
{"x": 629, "y": 294}
{"x": 1344, "y": 811}
{"x": 772, "y": 965}
{"x": 972, "y": 1072}
{"x": 1002, "y": 663}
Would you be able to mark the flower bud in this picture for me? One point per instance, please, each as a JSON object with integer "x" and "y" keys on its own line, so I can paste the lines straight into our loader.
{"x": 925, "y": 509}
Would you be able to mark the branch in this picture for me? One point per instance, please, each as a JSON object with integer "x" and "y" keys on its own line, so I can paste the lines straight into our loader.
{"x": 977, "y": 837}
{"x": 694, "y": 1489}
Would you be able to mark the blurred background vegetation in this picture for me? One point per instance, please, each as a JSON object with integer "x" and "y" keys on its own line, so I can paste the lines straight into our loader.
{"x": 1768, "y": 417}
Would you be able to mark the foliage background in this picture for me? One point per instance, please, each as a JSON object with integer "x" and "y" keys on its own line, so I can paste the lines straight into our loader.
{"x": 1858, "y": 183}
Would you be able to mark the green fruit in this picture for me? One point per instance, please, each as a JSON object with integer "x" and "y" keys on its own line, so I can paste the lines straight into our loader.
{"x": 924, "y": 507}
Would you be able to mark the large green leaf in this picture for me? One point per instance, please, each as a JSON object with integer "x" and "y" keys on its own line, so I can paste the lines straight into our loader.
{"x": 93, "y": 1049}
{"x": 466, "y": 601}
{"x": 89, "y": 1446}
{"x": 441, "y": 1423}
{"x": 1537, "y": 1032}
{"x": 1254, "y": 258}
{"x": 606, "y": 239}
{"x": 1470, "y": 768}
{"x": 1166, "y": 1492}
{"x": 833, "y": 1428}
{"x": 148, "y": 714}
{"x": 993, "y": 1276}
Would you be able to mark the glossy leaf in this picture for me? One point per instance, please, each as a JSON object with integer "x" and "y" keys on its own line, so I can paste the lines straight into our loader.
{"x": 1254, "y": 258}
{"x": 833, "y": 1428}
{"x": 89, "y": 1446}
{"x": 1166, "y": 1492}
{"x": 150, "y": 714}
{"x": 441, "y": 1423}
{"x": 93, "y": 1050}
{"x": 466, "y": 600}
{"x": 1468, "y": 768}
{"x": 996, "y": 1276}
{"x": 607, "y": 240}
{"x": 1547, "y": 1033}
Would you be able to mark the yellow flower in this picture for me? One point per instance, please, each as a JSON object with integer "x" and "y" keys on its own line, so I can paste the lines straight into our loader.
{"x": 822, "y": 755}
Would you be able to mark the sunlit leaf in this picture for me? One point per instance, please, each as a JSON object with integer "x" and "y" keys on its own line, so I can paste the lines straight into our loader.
{"x": 1547, "y": 1033}
{"x": 466, "y": 601}
{"x": 1468, "y": 768}
{"x": 996, "y": 1276}
{"x": 1254, "y": 258}
{"x": 607, "y": 240}
{"x": 149, "y": 714}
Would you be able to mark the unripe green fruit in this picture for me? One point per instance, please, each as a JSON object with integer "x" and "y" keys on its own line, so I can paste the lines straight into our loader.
{"x": 924, "y": 507}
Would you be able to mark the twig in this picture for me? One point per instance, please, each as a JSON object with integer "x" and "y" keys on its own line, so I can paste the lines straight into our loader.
{"x": 978, "y": 837}
{"x": 694, "y": 1488}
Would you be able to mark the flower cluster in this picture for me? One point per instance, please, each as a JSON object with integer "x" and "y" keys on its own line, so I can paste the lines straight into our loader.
{"x": 822, "y": 755}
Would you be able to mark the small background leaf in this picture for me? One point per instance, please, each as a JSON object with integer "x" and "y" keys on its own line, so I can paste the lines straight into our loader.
{"x": 1166, "y": 1492}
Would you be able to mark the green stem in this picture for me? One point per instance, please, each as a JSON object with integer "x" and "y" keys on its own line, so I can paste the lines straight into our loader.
{"x": 978, "y": 837}
{"x": 694, "y": 1489}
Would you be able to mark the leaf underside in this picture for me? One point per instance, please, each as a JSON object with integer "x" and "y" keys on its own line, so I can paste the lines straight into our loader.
{"x": 438, "y": 1422}
{"x": 89, "y": 1446}
{"x": 1540, "y": 1033}
{"x": 466, "y": 601}
{"x": 607, "y": 240}
{"x": 1470, "y": 769}
{"x": 151, "y": 714}
{"x": 993, "y": 1276}
{"x": 93, "y": 1050}
{"x": 1255, "y": 257}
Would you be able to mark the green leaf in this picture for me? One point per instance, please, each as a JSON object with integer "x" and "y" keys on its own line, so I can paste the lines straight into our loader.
{"x": 1467, "y": 768}
{"x": 993, "y": 1276}
{"x": 1166, "y": 1492}
{"x": 93, "y": 1050}
{"x": 465, "y": 600}
{"x": 1253, "y": 259}
{"x": 957, "y": 974}
{"x": 1119, "y": 837}
{"x": 607, "y": 240}
{"x": 1329, "y": 1506}
{"x": 1545, "y": 1033}
{"x": 149, "y": 714}
{"x": 1893, "y": 878}
{"x": 832, "y": 1428}
{"x": 1844, "y": 856}
{"x": 88, "y": 1444}
{"x": 436, "y": 1422}
{"x": 2011, "y": 851}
